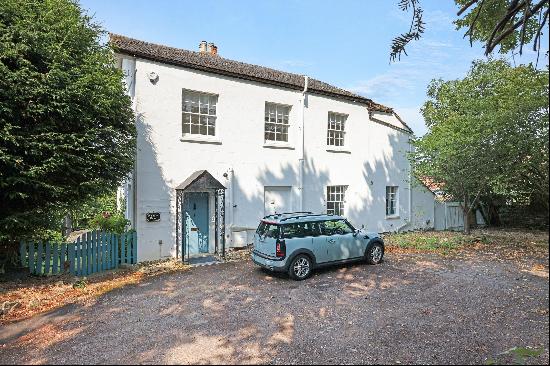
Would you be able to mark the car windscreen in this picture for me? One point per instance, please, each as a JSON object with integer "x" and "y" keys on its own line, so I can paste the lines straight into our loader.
{"x": 268, "y": 230}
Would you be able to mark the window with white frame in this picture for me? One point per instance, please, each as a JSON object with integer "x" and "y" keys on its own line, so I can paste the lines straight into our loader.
{"x": 392, "y": 208}
{"x": 336, "y": 199}
{"x": 276, "y": 122}
{"x": 336, "y": 129}
{"x": 199, "y": 113}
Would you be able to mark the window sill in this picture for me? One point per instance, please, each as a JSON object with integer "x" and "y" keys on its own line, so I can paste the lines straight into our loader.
{"x": 278, "y": 145}
{"x": 338, "y": 149}
{"x": 392, "y": 217}
{"x": 201, "y": 139}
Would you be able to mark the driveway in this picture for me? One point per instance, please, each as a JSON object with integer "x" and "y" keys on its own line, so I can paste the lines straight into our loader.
{"x": 410, "y": 309}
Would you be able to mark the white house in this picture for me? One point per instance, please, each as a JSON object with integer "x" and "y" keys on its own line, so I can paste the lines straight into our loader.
{"x": 222, "y": 143}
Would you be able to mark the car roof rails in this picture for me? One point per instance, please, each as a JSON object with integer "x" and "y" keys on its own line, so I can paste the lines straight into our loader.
{"x": 300, "y": 216}
{"x": 288, "y": 213}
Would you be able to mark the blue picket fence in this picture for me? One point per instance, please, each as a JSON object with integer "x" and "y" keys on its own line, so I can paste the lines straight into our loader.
{"x": 92, "y": 252}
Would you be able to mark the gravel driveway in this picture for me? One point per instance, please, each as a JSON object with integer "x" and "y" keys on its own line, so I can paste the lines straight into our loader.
{"x": 410, "y": 309}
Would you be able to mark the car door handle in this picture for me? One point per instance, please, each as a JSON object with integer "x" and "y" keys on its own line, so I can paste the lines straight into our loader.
{"x": 332, "y": 241}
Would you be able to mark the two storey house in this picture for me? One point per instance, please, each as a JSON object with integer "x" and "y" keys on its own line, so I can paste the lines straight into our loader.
{"x": 222, "y": 144}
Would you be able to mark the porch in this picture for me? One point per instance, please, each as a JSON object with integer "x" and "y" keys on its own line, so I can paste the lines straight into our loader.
{"x": 200, "y": 218}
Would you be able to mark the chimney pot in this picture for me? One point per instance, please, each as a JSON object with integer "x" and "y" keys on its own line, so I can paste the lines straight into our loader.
{"x": 203, "y": 47}
{"x": 213, "y": 49}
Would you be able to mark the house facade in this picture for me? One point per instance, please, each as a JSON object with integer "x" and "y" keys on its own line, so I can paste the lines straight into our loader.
{"x": 222, "y": 144}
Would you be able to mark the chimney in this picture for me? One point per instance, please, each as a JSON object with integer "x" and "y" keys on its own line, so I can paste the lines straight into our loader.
{"x": 213, "y": 49}
{"x": 203, "y": 48}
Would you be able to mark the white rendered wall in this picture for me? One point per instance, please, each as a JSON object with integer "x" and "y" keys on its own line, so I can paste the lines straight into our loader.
{"x": 424, "y": 210}
{"x": 375, "y": 157}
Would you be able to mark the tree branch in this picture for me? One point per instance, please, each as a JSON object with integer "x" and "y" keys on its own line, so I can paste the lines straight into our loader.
{"x": 466, "y": 7}
{"x": 474, "y": 202}
{"x": 502, "y": 23}
{"x": 492, "y": 42}
{"x": 522, "y": 34}
{"x": 415, "y": 30}
{"x": 472, "y": 26}
{"x": 539, "y": 31}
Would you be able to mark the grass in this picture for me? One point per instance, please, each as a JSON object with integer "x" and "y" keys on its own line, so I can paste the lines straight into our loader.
{"x": 448, "y": 242}
{"x": 437, "y": 242}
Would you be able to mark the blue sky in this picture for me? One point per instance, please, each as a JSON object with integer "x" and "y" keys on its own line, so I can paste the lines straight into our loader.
{"x": 345, "y": 43}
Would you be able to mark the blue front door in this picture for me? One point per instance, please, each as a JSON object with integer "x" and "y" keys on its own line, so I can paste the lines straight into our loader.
{"x": 196, "y": 222}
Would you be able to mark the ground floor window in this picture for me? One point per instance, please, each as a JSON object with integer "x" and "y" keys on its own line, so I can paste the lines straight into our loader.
{"x": 336, "y": 199}
{"x": 391, "y": 201}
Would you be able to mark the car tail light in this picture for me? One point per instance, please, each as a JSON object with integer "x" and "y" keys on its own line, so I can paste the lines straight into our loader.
{"x": 280, "y": 249}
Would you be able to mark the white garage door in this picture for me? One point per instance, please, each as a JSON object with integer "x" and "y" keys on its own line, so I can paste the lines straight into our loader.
{"x": 277, "y": 200}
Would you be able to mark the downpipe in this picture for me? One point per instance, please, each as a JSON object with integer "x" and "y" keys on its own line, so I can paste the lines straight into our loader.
{"x": 409, "y": 220}
{"x": 301, "y": 159}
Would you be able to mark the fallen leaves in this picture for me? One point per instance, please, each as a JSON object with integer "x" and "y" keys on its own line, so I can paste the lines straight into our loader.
{"x": 36, "y": 295}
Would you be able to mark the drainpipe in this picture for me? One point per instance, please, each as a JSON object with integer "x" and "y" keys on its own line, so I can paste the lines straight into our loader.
{"x": 301, "y": 158}
{"x": 231, "y": 205}
{"x": 128, "y": 67}
{"x": 409, "y": 221}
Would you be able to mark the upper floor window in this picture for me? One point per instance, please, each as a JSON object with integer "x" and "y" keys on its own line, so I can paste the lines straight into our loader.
{"x": 336, "y": 199}
{"x": 391, "y": 201}
{"x": 276, "y": 122}
{"x": 336, "y": 129}
{"x": 199, "y": 113}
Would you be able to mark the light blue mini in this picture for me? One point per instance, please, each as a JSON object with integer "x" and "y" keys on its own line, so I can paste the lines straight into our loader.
{"x": 299, "y": 242}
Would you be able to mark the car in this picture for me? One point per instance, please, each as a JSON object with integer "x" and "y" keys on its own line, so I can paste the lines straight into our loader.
{"x": 299, "y": 242}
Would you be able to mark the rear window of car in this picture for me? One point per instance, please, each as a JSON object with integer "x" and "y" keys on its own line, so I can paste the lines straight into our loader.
{"x": 268, "y": 230}
{"x": 300, "y": 230}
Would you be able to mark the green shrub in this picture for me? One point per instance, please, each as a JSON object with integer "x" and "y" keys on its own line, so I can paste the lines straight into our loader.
{"x": 53, "y": 236}
{"x": 113, "y": 223}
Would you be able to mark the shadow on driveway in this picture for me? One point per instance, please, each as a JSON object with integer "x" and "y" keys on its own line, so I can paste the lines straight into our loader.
{"x": 408, "y": 309}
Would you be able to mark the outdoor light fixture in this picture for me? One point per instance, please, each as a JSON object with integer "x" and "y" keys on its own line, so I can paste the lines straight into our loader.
{"x": 153, "y": 77}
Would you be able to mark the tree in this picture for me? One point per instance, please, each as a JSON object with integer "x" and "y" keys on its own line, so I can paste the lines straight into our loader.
{"x": 506, "y": 23}
{"x": 67, "y": 130}
{"x": 488, "y": 134}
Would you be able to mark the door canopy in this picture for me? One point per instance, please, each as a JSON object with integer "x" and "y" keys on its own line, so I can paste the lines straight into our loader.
{"x": 199, "y": 181}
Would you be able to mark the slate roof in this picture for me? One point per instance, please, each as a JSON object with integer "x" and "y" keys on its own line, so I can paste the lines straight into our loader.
{"x": 220, "y": 65}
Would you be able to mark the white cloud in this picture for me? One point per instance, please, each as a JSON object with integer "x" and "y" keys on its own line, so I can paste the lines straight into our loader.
{"x": 434, "y": 19}
{"x": 438, "y": 20}
{"x": 386, "y": 86}
{"x": 404, "y": 83}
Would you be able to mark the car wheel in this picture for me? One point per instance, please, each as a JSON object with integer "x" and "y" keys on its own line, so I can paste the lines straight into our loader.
{"x": 375, "y": 253}
{"x": 300, "y": 268}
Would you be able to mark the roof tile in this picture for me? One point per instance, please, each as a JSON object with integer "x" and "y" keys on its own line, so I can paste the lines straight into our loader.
{"x": 217, "y": 64}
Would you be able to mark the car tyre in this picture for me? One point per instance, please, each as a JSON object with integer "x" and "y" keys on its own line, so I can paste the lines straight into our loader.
{"x": 300, "y": 267}
{"x": 375, "y": 253}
